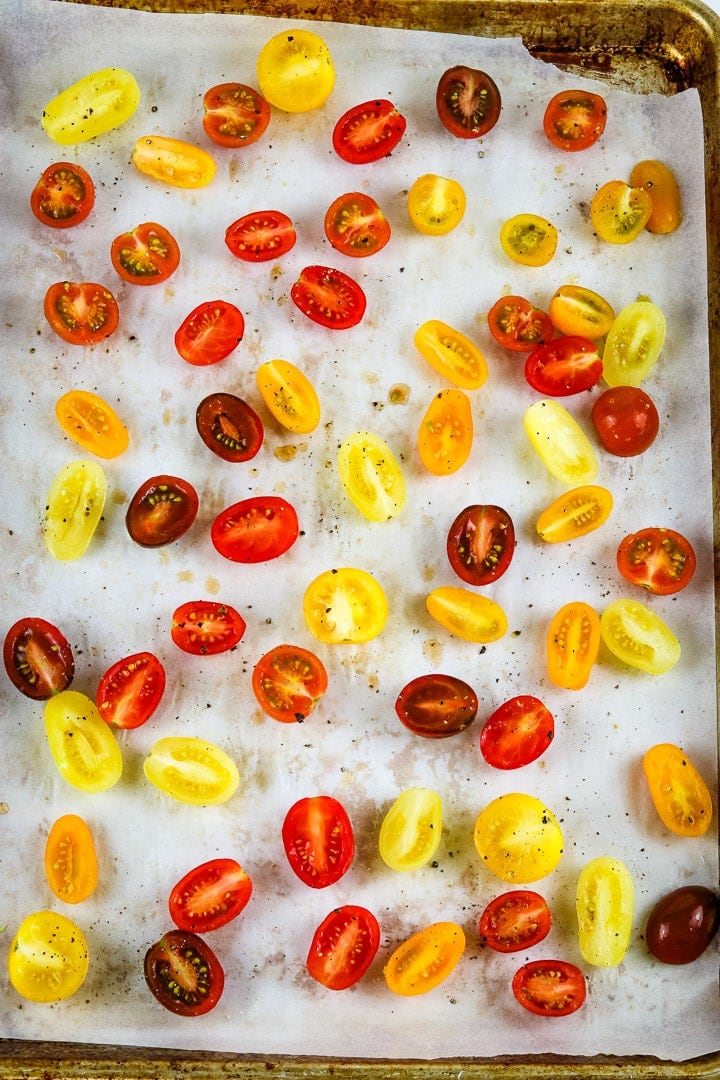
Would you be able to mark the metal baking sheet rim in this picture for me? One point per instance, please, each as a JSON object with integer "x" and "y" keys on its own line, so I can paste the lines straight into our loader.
{"x": 647, "y": 45}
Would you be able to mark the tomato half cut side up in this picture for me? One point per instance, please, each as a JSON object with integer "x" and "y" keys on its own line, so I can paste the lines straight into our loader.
{"x": 343, "y": 947}
{"x": 517, "y": 325}
{"x": 161, "y": 510}
{"x": 564, "y": 366}
{"x": 549, "y": 987}
{"x": 71, "y": 865}
{"x": 356, "y": 226}
{"x": 210, "y": 896}
{"x": 575, "y": 119}
{"x": 481, "y": 543}
{"x": 514, "y": 921}
{"x": 468, "y": 102}
{"x": 518, "y": 732}
{"x": 210, "y": 332}
{"x": 234, "y": 115}
{"x": 255, "y": 530}
{"x": 206, "y": 627}
{"x": 329, "y": 297}
{"x": 288, "y": 682}
{"x": 92, "y": 423}
{"x": 425, "y": 959}
{"x": 318, "y": 839}
{"x": 436, "y": 706}
{"x": 63, "y": 196}
{"x": 659, "y": 560}
{"x": 146, "y": 255}
{"x": 260, "y": 236}
{"x": 130, "y": 690}
{"x": 573, "y": 644}
{"x": 229, "y": 427}
{"x": 81, "y": 313}
{"x": 368, "y": 132}
{"x": 38, "y": 659}
{"x": 184, "y": 974}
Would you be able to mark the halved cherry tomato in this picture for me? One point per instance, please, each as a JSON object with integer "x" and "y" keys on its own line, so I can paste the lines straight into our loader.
{"x": 209, "y": 896}
{"x": 451, "y": 354}
{"x": 74, "y": 509}
{"x": 466, "y": 614}
{"x": 234, "y": 115}
{"x": 38, "y": 659}
{"x": 619, "y": 212}
{"x": 288, "y": 682}
{"x": 515, "y": 921}
{"x": 355, "y": 225}
{"x": 517, "y": 732}
{"x": 343, "y": 947}
{"x": 481, "y": 543}
{"x": 161, "y": 511}
{"x": 572, "y": 645}
{"x": 295, "y": 70}
{"x": 368, "y": 132}
{"x": 659, "y": 560}
{"x": 678, "y": 791}
{"x": 255, "y": 530}
{"x": 345, "y": 606}
{"x": 130, "y": 690}
{"x": 436, "y": 706}
{"x": 633, "y": 344}
{"x": 564, "y": 366}
{"x": 662, "y": 187}
{"x": 446, "y": 432}
{"x": 411, "y": 829}
{"x": 81, "y": 313}
{"x": 147, "y": 255}
{"x": 371, "y": 476}
{"x": 560, "y": 442}
{"x": 184, "y": 974}
{"x": 626, "y": 420}
{"x": 260, "y": 236}
{"x": 425, "y": 959}
{"x": 210, "y": 332}
{"x": 436, "y": 204}
{"x": 575, "y": 310}
{"x": 82, "y": 745}
{"x": 71, "y": 865}
{"x": 575, "y": 513}
{"x": 518, "y": 838}
{"x": 206, "y": 627}
{"x": 468, "y": 102}
{"x": 318, "y": 839}
{"x": 604, "y": 903}
{"x": 95, "y": 104}
{"x": 191, "y": 770}
{"x": 63, "y": 196}
{"x": 517, "y": 325}
{"x": 528, "y": 239}
{"x": 329, "y": 297}
{"x": 92, "y": 423}
{"x": 682, "y": 924}
{"x": 289, "y": 395}
{"x": 229, "y": 427}
{"x": 574, "y": 119}
{"x": 549, "y": 987}
{"x": 637, "y": 636}
{"x": 173, "y": 161}
{"x": 48, "y": 958}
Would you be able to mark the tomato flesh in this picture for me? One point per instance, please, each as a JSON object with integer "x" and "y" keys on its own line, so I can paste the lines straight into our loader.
{"x": 38, "y": 659}
{"x": 289, "y": 395}
{"x": 345, "y": 606}
{"x": 574, "y": 119}
{"x": 517, "y": 732}
{"x": 468, "y": 102}
{"x": 517, "y": 325}
{"x": 288, "y": 682}
{"x": 436, "y": 204}
{"x": 576, "y": 513}
{"x": 147, "y": 255}
{"x": 210, "y": 332}
{"x": 130, "y": 690}
{"x": 173, "y": 161}
{"x": 682, "y": 924}
{"x": 436, "y": 706}
{"x": 229, "y": 427}
{"x": 329, "y": 297}
{"x": 451, "y": 354}
{"x": 518, "y": 838}
{"x": 368, "y": 132}
{"x": 564, "y": 366}
{"x": 659, "y": 560}
{"x": 549, "y": 987}
{"x": 481, "y": 543}
{"x": 371, "y": 476}
{"x": 619, "y": 212}
{"x": 81, "y": 313}
{"x": 71, "y": 865}
{"x": 678, "y": 791}
{"x": 63, "y": 196}
{"x": 604, "y": 904}
{"x": 466, "y": 614}
{"x": 82, "y": 745}
{"x": 209, "y": 896}
{"x": 92, "y": 423}
{"x": 260, "y": 236}
{"x": 161, "y": 511}
{"x": 411, "y": 830}
{"x": 515, "y": 921}
{"x": 255, "y": 530}
{"x": 626, "y": 420}
{"x": 343, "y": 947}
{"x": 425, "y": 960}
{"x": 234, "y": 115}
{"x": 572, "y": 645}
{"x": 446, "y": 432}
{"x": 318, "y": 839}
{"x": 529, "y": 239}
{"x": 74, "y": 509}
{"x": 560, "y": 442}
{"x": 638, "y": 637}
{"x": 191, "y": 771}
{"x": 206, "y": 627}
{"x": 356, "y": 226}
{"x": 183, "y": 973}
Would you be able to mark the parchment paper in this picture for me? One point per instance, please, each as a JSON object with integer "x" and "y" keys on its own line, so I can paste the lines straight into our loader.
{"x": 119, "y": 598}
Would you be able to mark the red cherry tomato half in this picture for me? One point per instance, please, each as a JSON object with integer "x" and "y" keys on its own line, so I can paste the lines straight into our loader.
{"x": 147, "y": 255}
{"x": 161, "y": 511}
{"x": 659, "y": 560}
{"x": 368, "y": 132}
{"x": 549, "y": 987}
{"x": 234, "y": 114}
{"x": 356, "y": 226}
{"x": 436, "y": 706}
{"x": 518, "y": 732}
{"x": 209, "y": 896}
{"x": 343, "y": 947}
{"x": 81, "y": 313}
{"x": 682, "y": 924}
{"x": 329, "y": 297}
{"x": 255, "y": 530}
{"x": 517, "y": 325}
{"x": 318, "y": 840}
{"x": 481, "y": 543}
{"x": 261, "y": 236}
{"x": 38, "y": 659}
{"x": 229, "y": 427}
{"x": 63, "y": 196}
{"x": 564, "y": 366}
{"x": 210, "y": 332}
{"x": 206, "y": 627}
{"x": 574, "y": 119}
{"x": 288, "y": 681}
{"x": 514, "y": 921}
{"x": 626, "y": 420}
{"x": 130, "y": 690}
{"x": 468, "y": 102}
{"x": 184, "y": 974}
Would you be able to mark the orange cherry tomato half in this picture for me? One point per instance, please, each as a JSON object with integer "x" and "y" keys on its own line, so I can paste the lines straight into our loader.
{"x": 147, "y": 255}
{"x": 81, "y": 313}
{"x": 517, "y": 732}
{"x": 573, "y": 643}
{"x": 329, "y": 297}
{"x": 575, "y": 513}
{"x": 38, "y": 659}
{"x": 549, "y": 987}
{"x": 626, "y": 420}
{"x": 63, "y": 196}
{"x": 468, "y": 102}
{"x": 659, "y": 560}
{"x": 446, "y": 432}
{"x": 255, "y": 530}
{"x": 517, "y": 325}
{"x": 343, "y": 947}
{"x": 210, "y": 332}
{"x": 130, "y": 690}
{"x": 575, "y": 119}
{"x": 318, "y": 839}
{"x": 356, "y": 226}
{"x": 71, "y": 865}
{"x": 368, "y": 132}
{"x": 161, "y": 511}
{"x": 206, "y": 627}
{"x": 288, "y": 682}
{"x": 514, "y": 921}
{"x": 209, "y": 896}
{"x": 662, "y": 187}
{"x": 92, "y": 423}
{"x": 173, "y": 161}
{"x": 234, "y": 114}
{"x": 679, "y": 793}
{"x": 260, "y": 236}
{"x": 425, "y": 959}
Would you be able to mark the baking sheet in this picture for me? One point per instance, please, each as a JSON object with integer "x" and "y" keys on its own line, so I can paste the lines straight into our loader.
{"x": 352, "y": 746}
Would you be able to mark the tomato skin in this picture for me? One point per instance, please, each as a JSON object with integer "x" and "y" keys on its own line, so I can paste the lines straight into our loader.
{"x": 210, "y": 332}
{"x": 38, "y": 658}
{"x": 63, "y": 196}
{"x": 92, "y": 423}
{"x": 82, "y": 745}
{"x": 564, "y": 366}
{"x": 345, "y": 606}
{"x": 425, "y": 959}
{"x": 48, "y": 958}
{"x": 659, "y": 560}
{"x": 626, "y": 420}
{"x": 638, "y": 637}
{"x": 206, "y": 627}
{"x": 446, "y": 432}
{"x": 633, "y": 344}
{"x": 574, "y": 119}
{"x": 575, "y": 310}
{"x": 515, "y": 921}
{"x": 329, "y": 297}
{"x": 255, "y": 530}
{"x": 436, "y": 204}
{"x": 549, "y": 987}
{"x": 81, "y": 313}
{"x": 660, "y": 184}
{"x": 560, "y": 443}
{"x": 260, "y": 236}
{"x": 679, "y": 793}
{"x": 682, "y": 924}
{"x": 71, "y": 866}
{"x": 371, "y": 476}
{"x": 184, "y": 974}
{"x": 466, "y": 614}
{"x": 74, "y": 508}
{"x": 173, "y": 161}
{"x": 518, "y": 838}
{"x": 481, "y": 543}
{"x": 288, "y": 682}
{"x": 130, "y": 690}
{"x": 575, "y": 513}
{"x": 517, "y": 732}
{"x": 191, "y": 771}
{"x": 451, "y": 354}
{"x": 368, "y": 132}
{"x": 318, "y": 839}
{"x": 295, "y": 71}
{"x": 619, "y": 212}
{"x": 289, "y": 395}
{"x": 147, "y": 255}
{"x": 356, "y": 226}
{"x": 517, "y": 325}
{"x": 468, "y": 102}
{"x": 528, "y": 239}
{"x": 209, "y": 896}
{"x": 436, "y": 706}
{"x": 411, "y": 830}
{"x": 343, "y": 947}
{"x": 572, "y": 645}
{"x": 161, "y": 511}
{"x": 91, "y": 106}
{"x": 229, "y": 427}
{"x": 234, "y": 115}
{"x": 604, "y": 903}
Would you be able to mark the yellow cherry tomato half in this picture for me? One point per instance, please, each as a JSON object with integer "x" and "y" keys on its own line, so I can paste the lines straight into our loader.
{"x": 411, "y": 829}
{"x": 518, "y": 838}
{"x": 638, "y": 637}
{"x": 345, "y": 606}
{"x": 575, "y": 513}
{"x": 572, "y": 645}
{"x": 633, "y": 344}
{"x": 604, "y": 903}
{"x": 48, "y": 957}
{"x": 82, "y": 745}
{"x": 295, "y": 71}
{"x": 446, "y": 432}
{"x": 191, "y": 770}
{"x": 560, "y": 442}
{"x": 679, "y": 793}
{"x": 577, "y": 311}
{"x": 529, "y": 239}
{"x": 371, "y": 476}
{"x": 71, "y": 865}
{"x": 466, "y": 614}
{"x": 74, "y": 508}
{"x": 662, "y": 187}
{"x": 436, "y": 204}
{"x": 451, "y": 354}
{"x": 619, "y": 212}
{"x": 92, "y": 423}
{"x": 173, "y": 161}
{"x": 289, "y": 395}
{"x": 425, "y": 960}
{"x": 93, "y": 105}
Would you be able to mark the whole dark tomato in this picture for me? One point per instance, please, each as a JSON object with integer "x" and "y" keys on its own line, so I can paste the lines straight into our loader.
{"x": 234, "y": 115}
{"x": 468, "y": 102}
{"x": 518, "y": 732}
{"x": 130, "y": 690}
{"x": 659, "y": 560}
{"x": 161, "y": 510}
{"x": 209, "y": 895}
{"x": 81, "y": 313}
{"x": 368, "y": 132}
{"x": 626, "y": 420}
{"x": 206, "y": 627}
{"x": 38, "y": 659}
{"x": 288, "y": 681}
{"x": 318, "y": 840}
{"x": 63, "y": 196}
{"x": 514, "y": 921}
{"x": 210, "y": 332}
{"x": 147, "y": 255}
{"x": 481, "y": 543}
{"x": 574, "y": 119}
{"x": 229, "y": 427}
{"x": 255, "y": 530}
{"x": 549, "y": 987}
{"x": 343, "y": 947}
{"x": 184, "y": 974}
{"x": 436, "y": 706}
{"x": 260, "y": 236}
{"x": 682, "y": 924}
{"x": 564, "y": 366}
{"x": 517, "y": 325}
{"x": 329, "y": 297}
